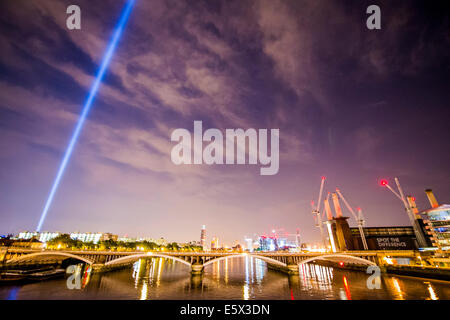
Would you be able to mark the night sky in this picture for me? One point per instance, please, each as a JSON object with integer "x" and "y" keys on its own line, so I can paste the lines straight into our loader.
{"x": 353, "y": 104}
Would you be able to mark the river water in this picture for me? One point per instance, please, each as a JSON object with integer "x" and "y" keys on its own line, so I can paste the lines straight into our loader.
{"x": 244, "y": 278}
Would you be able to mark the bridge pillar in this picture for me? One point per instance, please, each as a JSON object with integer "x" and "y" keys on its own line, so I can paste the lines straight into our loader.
{"x": 197, "y": 268}
{"x": 291, "y": 265}
{"x": 292, "y": 268}
{"x": 101, "y": 259}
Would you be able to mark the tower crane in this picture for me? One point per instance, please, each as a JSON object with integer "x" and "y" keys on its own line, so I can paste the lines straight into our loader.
{"x": 316, "y": 212}
{"x": 359, "y": 219}
{"x": 417, "y": 229}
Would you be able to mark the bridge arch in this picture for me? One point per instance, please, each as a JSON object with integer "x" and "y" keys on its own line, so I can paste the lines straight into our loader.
{"x": 266, "y": 259}
{"x": 341, "y": 256}
{"x": 31, "y": 256}
{"x": 144, "y": 255}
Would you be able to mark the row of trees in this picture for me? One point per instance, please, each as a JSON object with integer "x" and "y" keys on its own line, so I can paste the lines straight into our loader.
{"x": 64, "y": 241}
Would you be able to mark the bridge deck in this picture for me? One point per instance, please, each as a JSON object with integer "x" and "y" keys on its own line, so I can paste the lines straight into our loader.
{"x": 17, "y": 255}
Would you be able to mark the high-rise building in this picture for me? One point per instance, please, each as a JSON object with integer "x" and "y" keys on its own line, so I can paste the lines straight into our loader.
{"x": 203, "y": 238}
{"x": 215, "y": 243}
{"x": 438, "y": 222}
{"x": 249, "y": 244}
{"x": 297, "y": 239}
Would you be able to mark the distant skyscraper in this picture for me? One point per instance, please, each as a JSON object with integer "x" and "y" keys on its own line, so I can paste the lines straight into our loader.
{"x": 249, "y": 244}
{"x": 215, "y": 243}
{"x": 203, "y": 238}
{"x": 297, "y": 239}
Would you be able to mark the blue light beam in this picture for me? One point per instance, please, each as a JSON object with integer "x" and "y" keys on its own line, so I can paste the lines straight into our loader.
{"x": 100, "y": 74}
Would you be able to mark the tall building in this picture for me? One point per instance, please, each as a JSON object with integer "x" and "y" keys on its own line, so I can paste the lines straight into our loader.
{"x": 203, "y": 238}
{"x": 249, "y": 244}
{"x": 437, "y": 219}
{"x": 297, "y": 239}
{"x": 215, "y": 243}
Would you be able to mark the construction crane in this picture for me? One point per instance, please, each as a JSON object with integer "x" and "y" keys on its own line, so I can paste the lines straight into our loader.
{"x": 359, "y": 219}
{"x": 400, "y": 195}
{"x": 316, "y": 212}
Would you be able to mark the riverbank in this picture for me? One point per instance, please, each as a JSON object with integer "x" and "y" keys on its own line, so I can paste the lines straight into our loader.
{"x": 21, "y": 276}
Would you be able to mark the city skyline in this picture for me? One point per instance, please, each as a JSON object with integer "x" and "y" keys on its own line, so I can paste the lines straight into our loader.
{"x": 352, "y": 104}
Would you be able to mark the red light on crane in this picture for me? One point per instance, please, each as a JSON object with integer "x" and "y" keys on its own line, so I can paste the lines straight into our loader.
{"x": 324, "y": 178}
{"x": 383, "y": 182}
{"x": 413, "y": 198}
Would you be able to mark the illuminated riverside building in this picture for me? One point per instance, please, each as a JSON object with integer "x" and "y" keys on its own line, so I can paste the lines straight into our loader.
{"x": 268, "y": 243}
{"x": 438, "y": 219}
{"x": 93, "y": 237}
{"x": 273, "y": 243}
{"x": 159, "y": 242}
{"x": 126, "y": 239}
{"x": 27, "y": 235}
{"x": 385, "y": 238}
{"x": 41, "y": 236}
{"x": 86, "y": 237}
{"x": 109, "y": 236}
{"x": 47, "y": 236}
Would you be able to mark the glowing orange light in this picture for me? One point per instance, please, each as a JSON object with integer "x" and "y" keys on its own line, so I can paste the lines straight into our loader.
{"x": 413, "y": 198}
{"x": 341, "y": 263}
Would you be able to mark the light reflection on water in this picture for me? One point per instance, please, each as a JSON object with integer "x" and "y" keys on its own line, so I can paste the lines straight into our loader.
{"x": 232, "y": 278}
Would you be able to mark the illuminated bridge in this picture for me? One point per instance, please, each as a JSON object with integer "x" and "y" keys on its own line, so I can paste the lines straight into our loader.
{"x": 282, "y": 261}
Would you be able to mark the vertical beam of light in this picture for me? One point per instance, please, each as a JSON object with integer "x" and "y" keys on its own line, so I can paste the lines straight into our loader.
{"x": 100, "y": 74}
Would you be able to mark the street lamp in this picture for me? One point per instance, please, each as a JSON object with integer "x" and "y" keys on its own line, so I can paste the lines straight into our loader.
{"x": 409, "y": 211}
